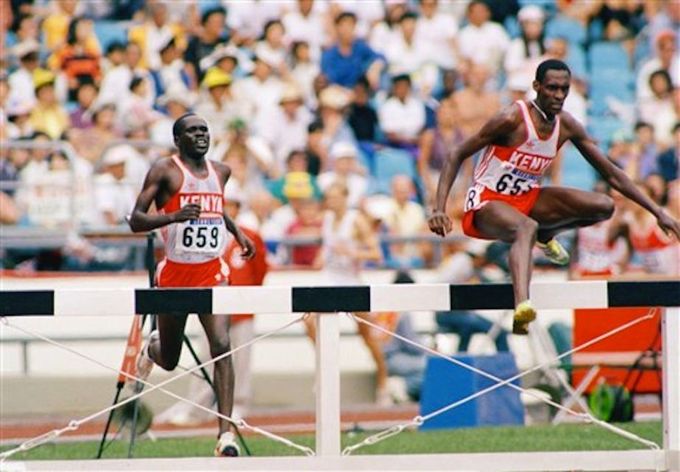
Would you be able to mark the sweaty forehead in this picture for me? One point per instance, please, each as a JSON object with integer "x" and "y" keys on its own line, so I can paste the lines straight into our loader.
{"x": 556, "y": 77}
{"x": 190, "y": 121}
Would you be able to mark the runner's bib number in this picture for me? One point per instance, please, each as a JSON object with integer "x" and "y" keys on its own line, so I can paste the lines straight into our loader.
{"x": 202, "y": 236}
{"x": 509, "y": 184}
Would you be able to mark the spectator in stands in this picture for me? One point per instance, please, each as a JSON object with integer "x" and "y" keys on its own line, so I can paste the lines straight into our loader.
{"x": 253, "y": 152}
{"x": 110, "y": 89}
{"x": 114, "y": 194}
{"x": 153, "y": 34}
{"x": 56, "y": 24}
{"x": 666, "y": 58}
{"x": 12, "y": 162}
{"x": 9, "y": 211}
{"x": 25, "y": 29}
{"x": 91, "y": 142}
{"x": 296, "y": 162}
{"x": 215, "y": 104}
{"x": 284, "y": 128}
{"x": 307, "y": 224}
{"x": 667, "y": 161}
{"x": 402, "y": 116}
{"x": 660, "y": 110}
{"x": 437, "y": 30}
{"x": 19, "y": 120}
{"x": 434, "y": 147}
{"x": 135, "y": 110}
{"x": 297, "y": 189}
{"x": 383, "y": 33}
{"x": 115, "y": 56}
{"x": 350, "y": 58}
{"x": 176, "y": 101}
{"x": 247, "y": 18}
{"x": 21, "y": 80}
{"x": 86, "y": 94}
{"x": 213, "y": 32}
{"x": 272, "y": 46}
{"x": 483, "y": 41}
{"x": 315, "y": 149}
{"x": 79, "y": 58}
{"x": 305, "y": 23}
{"x": 406, "y": 53}
{"x": 475, "y": 104}
{"x": 362, "y": 117}
{"x": 619, "y": 21}
{"x": 48, "y": 115}
{"x": 621, "y": 152}
{"x": 464, "y": 266}
{"x": 405, "y": 218}
{"x": 525, "y": 52}
{"x": 646, "y": 149}
{"x": 333, "y": 101}
{"x": 346, "y": 170}
{"x": 304, "y": 70}
{"x": 260, "y": 91}
{"x": 171, "y": 69}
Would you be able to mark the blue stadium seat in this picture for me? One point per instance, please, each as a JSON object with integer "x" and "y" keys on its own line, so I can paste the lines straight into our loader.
{"x": 608, "y": 55}
{"x": 512, "y": 26}
{"x": 110, "y": 31}
{"x": 567, "y": 28}
{"x": 576, "y": 58}
{"x": 389, "y": 162}
{"x": 602, "y": 129}
{"x": 610, "y": 84}
{"x": 576, "y": 171}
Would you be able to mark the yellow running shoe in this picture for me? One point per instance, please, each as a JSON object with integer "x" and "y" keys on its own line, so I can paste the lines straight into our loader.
{"x": 525, "y": 313}
{"x": 555, "y": 252}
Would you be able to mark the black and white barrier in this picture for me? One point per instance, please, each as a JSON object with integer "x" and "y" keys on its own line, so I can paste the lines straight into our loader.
{"x": 418, "y": 297}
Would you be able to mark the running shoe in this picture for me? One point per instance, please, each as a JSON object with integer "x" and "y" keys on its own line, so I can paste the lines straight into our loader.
{"x": 226, "y": 446}
{"x": 555, "y": 252}
{"x": 524, "y": 315}
{"x": 144, "y": 361}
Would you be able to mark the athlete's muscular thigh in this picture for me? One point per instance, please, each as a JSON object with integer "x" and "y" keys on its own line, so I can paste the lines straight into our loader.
{"x": 498, "y": 220}
{"x": 558, "y": 205}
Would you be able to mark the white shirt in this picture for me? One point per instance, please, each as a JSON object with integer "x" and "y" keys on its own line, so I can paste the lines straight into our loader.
{"x": 438, "y": 34}
{"x": 406, "y": 119}
{"x": 258, "y": 95}
{"x": 155, "y": 39}
{"x": 114, "y": 196}
{"x": 308, "y": 28}
{"x": 642, "y": 87}
{"x": 304, "y": 74}
{"x": 280, "y": 219}
{"x": 356, "y": 184}
{"x": 405, "y": 58}
{"x": 517, "y": 65}
{"x": 484, "y": 45}
{"x": 21, "y": 87}
{"x": 368, "y": 13}
{"x": 248, "y": 17}
{"x": 282, "y": 133}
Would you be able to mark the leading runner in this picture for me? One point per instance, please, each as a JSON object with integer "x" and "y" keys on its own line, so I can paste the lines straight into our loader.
{"x": 187, "y": 190}
{"x": 506, "y": 201}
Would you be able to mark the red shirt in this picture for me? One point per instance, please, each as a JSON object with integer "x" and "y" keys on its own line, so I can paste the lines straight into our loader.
{"x": 246, "y": 272}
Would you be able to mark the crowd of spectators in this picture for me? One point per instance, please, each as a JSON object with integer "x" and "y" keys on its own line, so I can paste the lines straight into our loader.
{"x": 301, "y": 94}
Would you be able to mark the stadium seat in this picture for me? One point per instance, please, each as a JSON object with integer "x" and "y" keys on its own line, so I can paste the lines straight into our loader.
{"x": 602, "y": 129}
{"x": 566, "y": 27}
{"x": 389, "y": 162}
{"x": 608, "y": 55}
{"x": 576, "y": 171}
{"x": 576, "y": 58}
{"x": 512, "y": 26}
{"x": 110, "y": 31}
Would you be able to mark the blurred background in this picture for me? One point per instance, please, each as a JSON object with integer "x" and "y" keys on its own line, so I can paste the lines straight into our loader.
{"x": 299, "y": 95}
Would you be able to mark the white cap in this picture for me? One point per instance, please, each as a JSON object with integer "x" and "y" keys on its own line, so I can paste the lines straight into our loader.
{"x": 179, "y": 94}
{"x": 531, "y": 13}
{"x": 26, "y": 47}
{"x": 266, "y": 55}
{"x": 117, "y": 155}
{"x": 335, "y": 96}
{"x": 343, "y": 149}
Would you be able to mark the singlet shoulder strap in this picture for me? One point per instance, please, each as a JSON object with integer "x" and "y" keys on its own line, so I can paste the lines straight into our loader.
{"x": 213, "y": 171}
{"x": 524, "y": 108}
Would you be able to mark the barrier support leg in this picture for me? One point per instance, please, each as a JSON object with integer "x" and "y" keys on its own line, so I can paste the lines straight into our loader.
{"x": 671, "y": 386}
{"x": 327, "y": 384}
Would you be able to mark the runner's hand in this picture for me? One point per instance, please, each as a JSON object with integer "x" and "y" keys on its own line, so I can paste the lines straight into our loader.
{"x": 439, "y": 223}
{"x": 187, "y": 212}
{"x": 247, "y": 248}
{"x": 669, "y": 225}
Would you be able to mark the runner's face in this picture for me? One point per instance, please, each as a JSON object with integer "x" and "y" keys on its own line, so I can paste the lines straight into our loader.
{"x": 194, "y": 138}
{"x": 553, "y": 91}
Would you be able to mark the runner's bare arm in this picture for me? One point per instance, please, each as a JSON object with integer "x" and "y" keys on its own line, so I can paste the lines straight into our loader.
{"x": 614, "y": 176}
{"x": 140, "y": 220}
{"x": 247, "y": 246}
{"x": 496, "y": 128}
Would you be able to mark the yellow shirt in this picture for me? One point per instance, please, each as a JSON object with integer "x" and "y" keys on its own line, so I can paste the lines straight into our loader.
{"x": 55, "y": 30}
{"x": 51, "y": 120}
